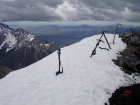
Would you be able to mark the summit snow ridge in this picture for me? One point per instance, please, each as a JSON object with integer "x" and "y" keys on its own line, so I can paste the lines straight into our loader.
{"x": 85, "y": 81}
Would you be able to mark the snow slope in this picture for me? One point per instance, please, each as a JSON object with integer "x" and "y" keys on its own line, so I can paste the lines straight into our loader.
{"x": 85, "y": 81}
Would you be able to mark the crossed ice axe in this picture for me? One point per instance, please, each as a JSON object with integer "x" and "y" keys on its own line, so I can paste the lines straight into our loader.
{"x": 99, "y": 40}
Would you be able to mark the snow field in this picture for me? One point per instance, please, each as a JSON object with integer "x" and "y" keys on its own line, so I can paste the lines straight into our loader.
{"x": 86, "y": 80}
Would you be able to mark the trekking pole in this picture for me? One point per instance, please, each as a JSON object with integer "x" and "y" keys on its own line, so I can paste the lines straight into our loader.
{"x": 59, "y": 52}
{"x": 113, "y": 42}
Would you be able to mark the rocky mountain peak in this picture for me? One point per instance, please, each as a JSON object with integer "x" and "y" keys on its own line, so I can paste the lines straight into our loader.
{"x": 14, "y": 39}
{"x": 20, "y": 30}
{"x": 18, "y": 48}
{"x": 2, "y": 26}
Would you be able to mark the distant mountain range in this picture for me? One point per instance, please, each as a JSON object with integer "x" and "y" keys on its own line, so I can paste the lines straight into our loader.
{"x": 67, "y": 35}
{"x": 18, "y": 48}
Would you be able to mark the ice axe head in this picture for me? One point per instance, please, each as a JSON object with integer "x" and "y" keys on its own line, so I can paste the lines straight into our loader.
{"x": 119, "y": 24}
{"x": 104, "y": 32}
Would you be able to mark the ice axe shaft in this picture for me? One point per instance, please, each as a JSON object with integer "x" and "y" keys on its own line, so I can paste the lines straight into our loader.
{"x": 103, "y": 34}
{"x": 107, "y": 41}
{"x": 113, "y": 42}
{"x": 132, "y": 30}
{"x": 94, "y": 51}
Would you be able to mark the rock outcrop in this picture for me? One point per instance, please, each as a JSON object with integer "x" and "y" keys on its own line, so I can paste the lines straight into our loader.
{"x": 4, "y": 71}
{"x": 129, "y": 59}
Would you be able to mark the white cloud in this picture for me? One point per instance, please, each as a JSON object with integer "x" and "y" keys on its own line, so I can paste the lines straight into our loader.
{"x": 66, "y": 10}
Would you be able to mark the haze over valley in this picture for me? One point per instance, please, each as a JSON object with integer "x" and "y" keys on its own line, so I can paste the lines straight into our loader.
{"x": 69, "y": 34}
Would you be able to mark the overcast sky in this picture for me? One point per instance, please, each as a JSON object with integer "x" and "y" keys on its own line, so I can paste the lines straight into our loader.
{"x": 70, "y": 10}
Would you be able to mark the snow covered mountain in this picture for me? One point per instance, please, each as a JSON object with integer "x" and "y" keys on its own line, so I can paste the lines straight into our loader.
{"x": 19, "y": 48}
{"x": 13, "y": 38}
{"x": 85, "y": 81}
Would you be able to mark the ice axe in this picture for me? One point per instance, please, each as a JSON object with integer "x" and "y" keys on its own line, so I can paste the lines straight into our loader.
{"x": 133, "y": 32}
{"x": 94, "y": 51}
{"x": 113, "y": 42}
{"x": 103, "y": 34}
{"x": 99, "y": 40}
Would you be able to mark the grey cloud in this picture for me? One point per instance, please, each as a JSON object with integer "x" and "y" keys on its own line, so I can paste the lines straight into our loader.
{"x": 52, "y": 10}
{"x": 118, "y": 6}
{"x": 51, "y": 3}
{"x": 30, "y": 10}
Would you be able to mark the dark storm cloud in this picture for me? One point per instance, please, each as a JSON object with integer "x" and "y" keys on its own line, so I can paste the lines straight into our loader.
{"x": 52, "y": 10}
{"x": 31, "y": 10}
{"x": 114, "y": 10}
